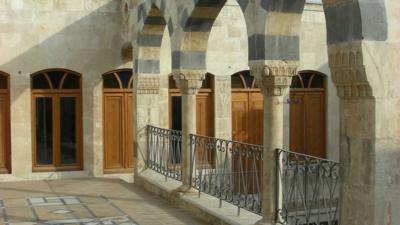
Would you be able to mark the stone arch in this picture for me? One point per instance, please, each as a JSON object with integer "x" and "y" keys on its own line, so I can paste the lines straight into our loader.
{"x": 196, "y": 27}
{"x": 150, "y": 38}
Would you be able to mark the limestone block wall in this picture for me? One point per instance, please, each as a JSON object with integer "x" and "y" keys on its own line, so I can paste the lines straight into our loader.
{"x": 81, "y": 35}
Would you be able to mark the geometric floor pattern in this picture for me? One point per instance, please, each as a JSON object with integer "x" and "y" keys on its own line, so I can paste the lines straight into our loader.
{"x": 85, "y": 202}
{"x": 64, "y": 210}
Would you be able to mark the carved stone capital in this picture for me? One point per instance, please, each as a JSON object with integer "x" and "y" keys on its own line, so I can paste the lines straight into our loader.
{"x": 348, "y": 72}
{"x": 148, "y": 85}
{"x": 189, "y": 82}
{"x": 274, "y": 77}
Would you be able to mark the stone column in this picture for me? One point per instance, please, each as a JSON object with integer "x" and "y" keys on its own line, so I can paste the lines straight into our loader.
{"x": 145, "y": 112}
{"x": 189, "y": 84}
{"x": 274, "y": 79}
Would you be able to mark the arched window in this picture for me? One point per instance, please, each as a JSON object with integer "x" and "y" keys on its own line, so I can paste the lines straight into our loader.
{"x": 118, "y": 121}
{"x": 118, "y": 79}
{"x": 243, "y": 80}
{"x": 5, "y": 147}
{"x": 56, "y": 120}
{"x": 308, "y": 79}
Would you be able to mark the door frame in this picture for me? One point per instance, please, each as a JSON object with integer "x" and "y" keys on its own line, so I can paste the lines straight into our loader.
{"x": 7, "y": 126}
{"x": 125, "y": 93}
{"x": 315, "y": 90}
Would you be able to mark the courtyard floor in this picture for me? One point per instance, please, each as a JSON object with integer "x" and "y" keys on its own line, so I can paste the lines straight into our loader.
{"x": 86, "y": 202}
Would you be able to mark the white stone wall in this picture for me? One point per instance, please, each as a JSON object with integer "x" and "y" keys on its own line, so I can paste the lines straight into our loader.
{"x": 80, "y": 35}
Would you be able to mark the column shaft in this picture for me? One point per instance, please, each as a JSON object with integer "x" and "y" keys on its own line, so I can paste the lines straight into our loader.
{"x": 188, "y": 127}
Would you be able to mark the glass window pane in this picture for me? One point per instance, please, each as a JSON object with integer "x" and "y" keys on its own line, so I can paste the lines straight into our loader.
{"x": 68, "y": 140}
{"x": 317, "y": 81}
{"x": 172, "y": 83}
{"x": 236, "y": 81}
{"x": 296, "y": 82}
{"x": 176, "y": 112}
{"x": 125, "y": 77}
{"x": 110, "y": 81}
{"x": 248, "y": 78}
{"x": 207, "y": 83}
{"x": 40, "y": 82}
{"x": 55, "y": 77}
{"x": 3, "y": 82}
{"x": 44, "y": 125}
{"x": 71, "y": 82}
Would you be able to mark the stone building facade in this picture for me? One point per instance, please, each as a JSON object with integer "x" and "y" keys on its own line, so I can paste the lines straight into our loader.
{"x": 354, "y": 43}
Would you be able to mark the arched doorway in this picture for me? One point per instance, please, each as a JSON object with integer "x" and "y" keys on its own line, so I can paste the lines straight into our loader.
{"x": 56, "y": 120}
{"x": 5, "y": 145}
{"x": 307, "y": 114}
{"x": 118, "y": 121}
{"x": 247, "y": 109}
{"x": 204, "y": 107}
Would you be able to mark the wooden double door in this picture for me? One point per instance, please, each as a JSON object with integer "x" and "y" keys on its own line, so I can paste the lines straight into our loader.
{"x": 118, "y": 122}
{"x": 307, "y": 112}
{"x": 308, "y": 115}
{"x": 5, "y": 153}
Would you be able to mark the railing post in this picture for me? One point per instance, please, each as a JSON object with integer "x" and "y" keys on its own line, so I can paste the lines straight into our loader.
{"x": 189, "y": 83}
{"x": 274, "y": 78}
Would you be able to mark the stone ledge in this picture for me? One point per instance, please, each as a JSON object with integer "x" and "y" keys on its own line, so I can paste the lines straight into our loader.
{"x": 205, "y": 208}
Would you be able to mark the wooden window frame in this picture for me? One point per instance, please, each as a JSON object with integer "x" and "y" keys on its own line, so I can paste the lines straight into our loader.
{"x": 56, "y": 95}
{"x": 7, "y": 127}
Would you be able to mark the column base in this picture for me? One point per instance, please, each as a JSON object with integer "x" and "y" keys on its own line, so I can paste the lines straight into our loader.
{"x": 184, "y": 190}
{"x": 264, "y": 222}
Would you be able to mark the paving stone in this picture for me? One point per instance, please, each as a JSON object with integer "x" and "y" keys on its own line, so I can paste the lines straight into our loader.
{"x": 100, "y": 202}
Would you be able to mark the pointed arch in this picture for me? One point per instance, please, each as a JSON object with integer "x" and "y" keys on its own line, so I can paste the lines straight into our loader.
{"x": 196, "y": 26}
{"x": 150, "y": 39}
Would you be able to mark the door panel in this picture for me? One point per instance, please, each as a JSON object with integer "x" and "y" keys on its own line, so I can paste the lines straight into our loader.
{"x": 240, "y": 108}
{"x": 307, "y": 123}
{"x": 256, "y": 119}
{"x": 204, "y": 115}
{"x": 113, "y": 131}
{"x": 315, "y": 124}
{"x": 297, "y": 126}
{"x": 4, "y": 134}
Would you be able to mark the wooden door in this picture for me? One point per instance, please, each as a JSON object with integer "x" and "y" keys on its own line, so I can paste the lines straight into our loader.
{"x": 307, "y": 115}
{"x": 4, "y": 134}
{"x": 113, "y": 131}
{"x": 118, "y": 122}
{"x": 256, "y": 118}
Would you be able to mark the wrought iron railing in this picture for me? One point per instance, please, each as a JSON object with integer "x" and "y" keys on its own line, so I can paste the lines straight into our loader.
{"x": 164, "y": 152}
{"x": 308, "y": 188}
{"x": 228, "y": 170}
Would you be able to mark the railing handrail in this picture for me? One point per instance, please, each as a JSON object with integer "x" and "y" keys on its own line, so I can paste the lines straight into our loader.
{"x": 226, "y": 140}
{"x": 308, "y": 156}
{"x": 164, "y": 129}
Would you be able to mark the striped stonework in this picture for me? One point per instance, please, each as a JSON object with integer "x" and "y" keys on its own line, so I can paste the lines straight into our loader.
{"x": 149, "y": 42}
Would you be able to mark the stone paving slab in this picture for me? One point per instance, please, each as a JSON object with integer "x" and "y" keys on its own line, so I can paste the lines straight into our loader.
{"x": 85, "y": 202}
